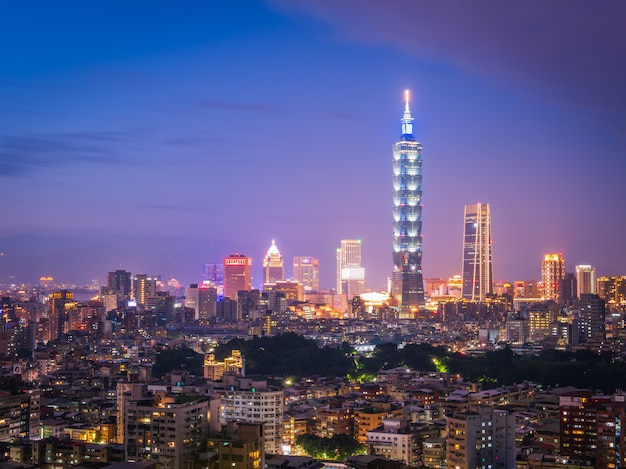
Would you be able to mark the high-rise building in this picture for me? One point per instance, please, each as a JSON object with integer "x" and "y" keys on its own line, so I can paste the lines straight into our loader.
{"x": 119, "y": 282}
{"x": 163, "y": 308}
{"x": 273, "y": 266}
{"x": 237, "y": 274}
{"x": 245, "y": 400}
{"x": 592, "y": 318}
{"x": 306, "y": 271}
{"x": 477, "y": 259}
{"x": 350, "y": 273}
{"x": 213, "y": 273}
{"x": 568, "y": 289}
{"x": 585, "y": 279}
{"x": 407, "y": 278}
{"x": 167, "y": 428}
{"x": 613, "y": 291}
{"x": 591, "y": 428}
{"x": 60, "y": 302}
{"x": 552, "y": 273}
{"x": 144, "y": 286}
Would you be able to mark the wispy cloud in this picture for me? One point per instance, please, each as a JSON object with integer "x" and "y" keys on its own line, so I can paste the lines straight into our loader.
{"x": 21, "y": 155}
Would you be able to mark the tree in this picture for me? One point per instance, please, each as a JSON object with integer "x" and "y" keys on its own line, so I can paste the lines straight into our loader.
{"x": 184, "y": 358}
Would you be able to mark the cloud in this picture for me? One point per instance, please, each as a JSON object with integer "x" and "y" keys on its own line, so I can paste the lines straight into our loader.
{"x": 21, "y": 155}
{"x": 568, "y": 51}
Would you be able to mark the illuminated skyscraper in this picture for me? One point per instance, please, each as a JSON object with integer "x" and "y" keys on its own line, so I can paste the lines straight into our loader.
{"x": 59, "y": 303}
{"x": 350, "y": 274}
{"x": 585, "y": 279}
{"x": 306, "y": 271}
{"x": 477, "y": 259}
{"x": 237, "y": 274}
{"x": 552, "y": 273}
{"x": 407, "y": 280}
{"x": 273, "y": 267}
{"x": 144, "y": 287}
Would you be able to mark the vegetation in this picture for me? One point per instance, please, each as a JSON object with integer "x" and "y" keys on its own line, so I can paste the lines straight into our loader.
{"x": 176, "y": 359}
{"x": 337, "y": 447}
{"x": 291, "y": 355}
{"x": 288, "y": 355}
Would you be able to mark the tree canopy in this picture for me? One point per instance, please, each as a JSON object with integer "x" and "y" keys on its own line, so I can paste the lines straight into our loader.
{"x": 288, "y": 355}
{"x": 176, "y": 359}
{"x": 338, "y": 447}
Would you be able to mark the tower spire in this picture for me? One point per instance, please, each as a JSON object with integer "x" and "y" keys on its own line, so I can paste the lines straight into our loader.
{"x": 406, "y": 101}
{"x": 407, "y": 120}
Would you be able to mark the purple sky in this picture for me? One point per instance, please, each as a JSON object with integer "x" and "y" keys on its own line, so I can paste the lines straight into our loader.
{"x": 157, "y": 137}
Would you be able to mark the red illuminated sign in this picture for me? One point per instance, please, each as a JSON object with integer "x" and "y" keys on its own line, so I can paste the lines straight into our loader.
{"x": 240, "y": 261}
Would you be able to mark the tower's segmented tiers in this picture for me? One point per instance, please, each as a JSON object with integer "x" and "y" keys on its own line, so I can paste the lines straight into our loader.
{"x": 407, "y": 279}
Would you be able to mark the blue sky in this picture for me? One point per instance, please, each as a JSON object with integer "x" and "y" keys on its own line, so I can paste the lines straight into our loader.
{"x": 158, "y": 136}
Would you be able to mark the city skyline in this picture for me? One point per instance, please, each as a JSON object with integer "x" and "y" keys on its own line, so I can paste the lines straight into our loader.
{"x": 144, "y": 137}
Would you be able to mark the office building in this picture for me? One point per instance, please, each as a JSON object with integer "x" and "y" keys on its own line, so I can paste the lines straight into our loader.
{"x": 525, "y": 289}
{"x": 202, "y": 299}
{"x": 350, "y": 273}
{"x": 119, "y": 282}
{"x": 477, "y": 258}
{"x": 59, "y": 304}
{"x": 481, "y": 439}
{"x": 585, "y": 279}
{"x": 306, "y": 270}
{"x": 552, "y": 273}
{"x": 613, "y": 291}
{"x": 541, "y": 317}
{"x": 292, "y": 289}
{"x": 247, "y": 303}
{"x": 273, "y": 266}
{"x": 237, "y": 274}
{"x": 214, "y": 274}
{"x": 144, "y": 286}
{"x": 163, "y": 308}
{"x": 407, "y": 278}
{"x": 568, "y": 289}
{"x": 227, "y": 309}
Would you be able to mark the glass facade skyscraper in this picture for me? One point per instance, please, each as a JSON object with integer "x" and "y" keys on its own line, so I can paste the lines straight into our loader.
{"x": 477, "y": 258}
{"x": 407, "y": 279}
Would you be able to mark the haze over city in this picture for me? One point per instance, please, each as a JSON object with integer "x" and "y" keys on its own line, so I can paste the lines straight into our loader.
{"x": 156, "y": 138}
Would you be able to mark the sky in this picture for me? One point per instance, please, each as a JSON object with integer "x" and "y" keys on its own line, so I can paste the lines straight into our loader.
{"x": 159, "y": 136}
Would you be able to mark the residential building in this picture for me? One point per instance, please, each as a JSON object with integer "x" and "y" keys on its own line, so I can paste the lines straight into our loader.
{"x": 481, "y": 439}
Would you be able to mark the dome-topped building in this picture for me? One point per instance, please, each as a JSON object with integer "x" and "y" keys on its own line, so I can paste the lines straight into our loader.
{"x": 273, "y": 267}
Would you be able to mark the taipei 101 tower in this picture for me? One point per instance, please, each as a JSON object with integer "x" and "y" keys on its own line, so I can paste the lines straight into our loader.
{"x": 407, "y": 279}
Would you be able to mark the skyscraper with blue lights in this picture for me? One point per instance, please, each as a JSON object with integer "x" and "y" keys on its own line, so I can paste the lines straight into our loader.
{"x": 407, "y": 279}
